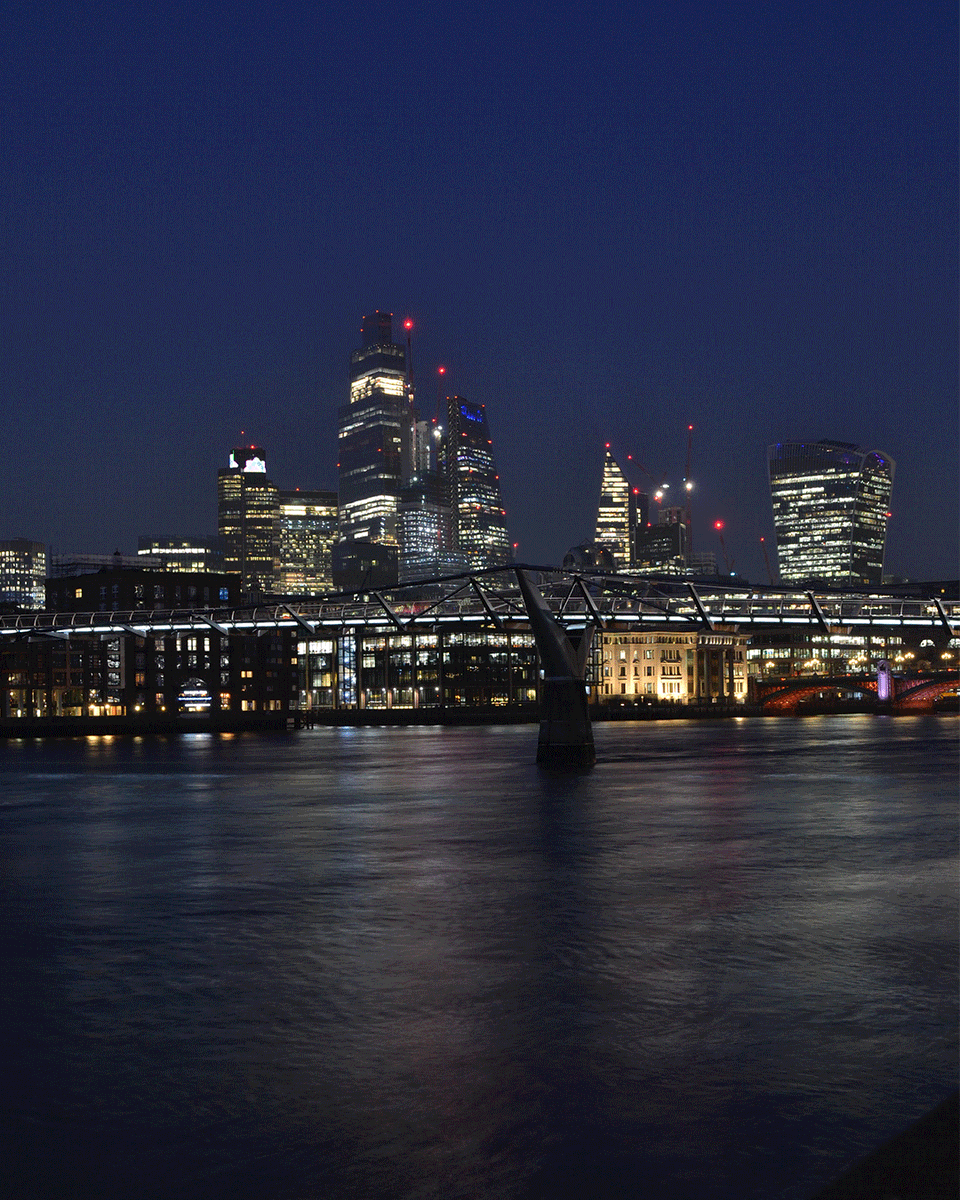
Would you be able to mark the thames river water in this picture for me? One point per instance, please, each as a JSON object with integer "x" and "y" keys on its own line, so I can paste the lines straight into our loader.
{"x": 408, "y": 963}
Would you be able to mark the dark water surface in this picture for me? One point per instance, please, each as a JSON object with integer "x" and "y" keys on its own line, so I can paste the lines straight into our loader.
{"x": 407, "y": 963}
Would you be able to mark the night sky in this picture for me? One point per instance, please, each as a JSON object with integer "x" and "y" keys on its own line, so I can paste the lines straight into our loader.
{"x": 607, "y": 220}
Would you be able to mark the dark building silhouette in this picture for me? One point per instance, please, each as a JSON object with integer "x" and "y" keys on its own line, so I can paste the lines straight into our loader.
{"x": 662, "y": 548}
{"x": 590, "y": 556}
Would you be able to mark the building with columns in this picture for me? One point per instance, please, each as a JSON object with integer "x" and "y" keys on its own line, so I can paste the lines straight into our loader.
{"x": 657, "y": 667}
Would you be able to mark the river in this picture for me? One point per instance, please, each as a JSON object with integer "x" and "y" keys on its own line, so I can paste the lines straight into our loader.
{"x": 408, "y": 963}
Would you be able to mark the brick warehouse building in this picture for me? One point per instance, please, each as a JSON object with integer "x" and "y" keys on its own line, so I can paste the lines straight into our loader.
{"x": 205, "y": 671}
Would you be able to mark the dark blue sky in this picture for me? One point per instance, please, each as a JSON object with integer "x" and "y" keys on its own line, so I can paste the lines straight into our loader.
{"x": 608, "y": 221}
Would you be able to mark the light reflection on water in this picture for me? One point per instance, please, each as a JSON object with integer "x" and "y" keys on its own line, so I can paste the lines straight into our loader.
{"x": 408, "y": 963}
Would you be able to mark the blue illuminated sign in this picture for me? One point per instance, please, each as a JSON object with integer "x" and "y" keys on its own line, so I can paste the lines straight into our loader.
{"x": 469, "y": 415}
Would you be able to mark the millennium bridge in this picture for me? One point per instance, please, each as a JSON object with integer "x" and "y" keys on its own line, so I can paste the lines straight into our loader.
{"x": 575, "y": 600}
{"x": 559, "y": 609}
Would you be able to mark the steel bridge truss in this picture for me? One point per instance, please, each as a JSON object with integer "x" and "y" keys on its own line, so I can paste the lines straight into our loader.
{"x": 492, "y": 599}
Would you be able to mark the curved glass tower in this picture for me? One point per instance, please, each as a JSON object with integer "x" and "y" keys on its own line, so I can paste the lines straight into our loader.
{"x": 480, "y": 520}
{"x": 830, "y": 511}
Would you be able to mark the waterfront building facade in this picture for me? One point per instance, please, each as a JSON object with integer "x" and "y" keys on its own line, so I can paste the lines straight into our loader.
{"x": 830, "y": 510}
{"x": 680, "y": 668}
{"x": 23, "y": 569}
{"x": 205, "y": 671}
{"x": 799, "y": 652}
{"x": 248, "y": 519}
{"x": 438, "y": 668}
{"x": 307, "y": 530}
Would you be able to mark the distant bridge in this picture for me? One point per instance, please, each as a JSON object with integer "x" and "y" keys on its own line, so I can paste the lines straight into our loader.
{"x": 492, "y": 598}
{"x": 916, "y": 690}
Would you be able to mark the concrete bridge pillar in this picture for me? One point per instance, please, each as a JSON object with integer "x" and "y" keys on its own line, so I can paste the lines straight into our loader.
{"x": 566, "y": 735}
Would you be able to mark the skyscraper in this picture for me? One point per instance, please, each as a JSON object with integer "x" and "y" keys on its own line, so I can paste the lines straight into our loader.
{"x": 617, "y": 514}
{"x": 307, "y": 531}
{"x": 480, "y": 521}
{"x": 830, "y": 502}
{"x": 427, "y": 526}
{"x": 247, "y": 519}
{"x": 374, "y": 430}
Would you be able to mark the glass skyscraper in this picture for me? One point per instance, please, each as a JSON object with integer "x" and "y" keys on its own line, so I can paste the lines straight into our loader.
{"x": 830, "y": 511}
{"x": 374, "y": 432}
{"x": 479, "y": 517}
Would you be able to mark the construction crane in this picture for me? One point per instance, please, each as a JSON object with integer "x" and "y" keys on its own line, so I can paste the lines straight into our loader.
{"x": 766, "y": 559}
{"x": 688, "y": 487}
{"x": 719, "y": 527}
{"x": 658, "y": 488}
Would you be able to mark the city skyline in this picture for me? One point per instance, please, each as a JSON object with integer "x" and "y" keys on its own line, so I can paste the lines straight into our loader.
{"x": 741, "y": 221}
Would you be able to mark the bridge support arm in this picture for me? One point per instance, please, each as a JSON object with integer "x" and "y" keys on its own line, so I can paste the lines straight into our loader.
{"x": 566, "y": 735}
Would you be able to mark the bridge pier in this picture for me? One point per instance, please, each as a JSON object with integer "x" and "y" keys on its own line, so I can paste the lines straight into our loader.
{"x": 566, "y": 735}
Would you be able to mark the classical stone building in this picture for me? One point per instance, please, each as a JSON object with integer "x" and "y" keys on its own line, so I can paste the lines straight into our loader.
{"x": 683, "y": 668}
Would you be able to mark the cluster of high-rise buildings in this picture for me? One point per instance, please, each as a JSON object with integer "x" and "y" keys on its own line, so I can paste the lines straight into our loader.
{"x": 418, "y": 498}
{"x": 831, "y": 505}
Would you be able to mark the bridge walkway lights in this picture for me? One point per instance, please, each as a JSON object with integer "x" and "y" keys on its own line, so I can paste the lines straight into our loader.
{"x": 482, "y": 598}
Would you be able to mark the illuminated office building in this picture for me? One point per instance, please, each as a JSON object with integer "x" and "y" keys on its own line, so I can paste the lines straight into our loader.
{"x": 830, "y": 511}
{"x": 374, "y": 430}
{"x": 307, "y": 532}
{"x": 180, "y": 553}
{"x": 248, "y": 519}
{"x": 481, "y": 538}
{"x": 23, "y": 569}
{"x": 617, "y": 514}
